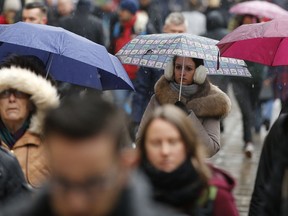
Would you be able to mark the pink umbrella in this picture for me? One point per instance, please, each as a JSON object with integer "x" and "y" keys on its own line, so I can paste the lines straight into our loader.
{"x": 265, "y": 43}
{"x": 258, "y": 8}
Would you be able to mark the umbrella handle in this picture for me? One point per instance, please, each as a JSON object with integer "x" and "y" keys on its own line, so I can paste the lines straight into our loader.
{"x": 218, "y": 60}
{"x": 181, "y": 82}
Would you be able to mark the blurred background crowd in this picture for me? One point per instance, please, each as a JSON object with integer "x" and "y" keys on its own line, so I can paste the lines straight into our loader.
{"x": 113, "y": 23}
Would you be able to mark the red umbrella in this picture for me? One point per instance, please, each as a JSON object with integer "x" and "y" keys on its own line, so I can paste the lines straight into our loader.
{"x": 258, "y": 8}
{"x": 265, "y": 43}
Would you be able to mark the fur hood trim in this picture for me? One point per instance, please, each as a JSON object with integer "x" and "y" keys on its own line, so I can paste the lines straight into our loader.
{"x": 208, "y": 102}
{"x": 43, "y": 94}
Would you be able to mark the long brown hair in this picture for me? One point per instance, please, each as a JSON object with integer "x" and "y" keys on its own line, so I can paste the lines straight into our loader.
{"x": 179, "y": 119}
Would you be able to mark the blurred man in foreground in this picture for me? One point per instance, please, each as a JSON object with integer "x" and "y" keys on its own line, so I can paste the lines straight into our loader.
{"x": 84, "y": 138}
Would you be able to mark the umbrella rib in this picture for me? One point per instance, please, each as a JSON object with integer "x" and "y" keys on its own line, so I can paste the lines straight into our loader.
{"x": 273, "y": 60}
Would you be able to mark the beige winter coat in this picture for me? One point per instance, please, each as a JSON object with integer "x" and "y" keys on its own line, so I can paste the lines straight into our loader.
{"x": 32, "y": 159}
{"x": 207, "y": 106}
{"x": 28, "y": 149}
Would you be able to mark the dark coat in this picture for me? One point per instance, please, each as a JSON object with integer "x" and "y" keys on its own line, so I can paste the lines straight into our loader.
{"x": 12, "y": 181}
{"x": 145, "y": 81}
{"x": 267, "y": 190}
{"x": 216, "y": 28}
{"x": 134, "y": 201}
{"x": 155, "y": 22}
{"x": 85, "y": 25}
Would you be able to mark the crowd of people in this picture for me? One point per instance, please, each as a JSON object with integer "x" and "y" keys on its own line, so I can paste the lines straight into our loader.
{"x": 66, "y": 150}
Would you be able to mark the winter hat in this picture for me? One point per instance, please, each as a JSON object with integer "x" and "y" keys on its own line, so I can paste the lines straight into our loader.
{"x": 24, "y": 78}
{"x": 129, "y": 5}
{"x": 14, "y": 5}
{"x": 86, "y": 5}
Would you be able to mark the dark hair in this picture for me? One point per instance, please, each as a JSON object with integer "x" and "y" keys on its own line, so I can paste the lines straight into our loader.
{"x": 241, "y": 18}
{"x": 84, "y": 116}
{"x": 197, "y": 61}
{"x": 39, "y": 5}
{"x": 29, "y": 62}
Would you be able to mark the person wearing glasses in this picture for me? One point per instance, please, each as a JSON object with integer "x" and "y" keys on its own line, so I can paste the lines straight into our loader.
{"x": 25, "y": 96}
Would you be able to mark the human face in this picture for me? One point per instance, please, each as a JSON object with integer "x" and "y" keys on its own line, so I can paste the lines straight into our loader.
{"x": 65, "y": 7}
{"x": 188, "y": 73}
{"x": 14, "y": 107}
{"x": 124, "y": 16}
{"x": 144, "y": 2}
{"x": 249, "y": 20}
{"x": 164, "y": 146}
{"x": 34, "y": 16}
{"x": 172, "y": 28}
{"x": 87, "y": 175}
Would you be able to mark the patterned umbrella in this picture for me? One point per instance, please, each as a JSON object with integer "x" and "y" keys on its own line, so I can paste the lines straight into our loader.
{"x": 155, "y": 50}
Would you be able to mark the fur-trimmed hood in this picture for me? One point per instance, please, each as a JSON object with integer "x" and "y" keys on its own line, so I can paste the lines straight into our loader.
{"x": 43, "y": 94}
{"x": 208, "y": 101}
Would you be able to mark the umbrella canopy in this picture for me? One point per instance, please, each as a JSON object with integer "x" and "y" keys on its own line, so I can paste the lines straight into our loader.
{"x": 264, "y": 43}
{"x": 258, "y": 8}
{"x": 67, "y": 56}
{"x": 156, "y": 50}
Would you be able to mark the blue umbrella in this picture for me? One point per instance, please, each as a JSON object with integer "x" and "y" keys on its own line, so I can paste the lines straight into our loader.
{"x": 67, "y": 56}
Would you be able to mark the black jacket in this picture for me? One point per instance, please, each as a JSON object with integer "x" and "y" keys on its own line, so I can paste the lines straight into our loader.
{"x": 215, "y": 25}
{"x": 155, "y": 22}
{"x": 12, "y": 181}
{"x": 85, "y": 25}
{"x": 266, "y": 198}
{"x": 135, "y": 200}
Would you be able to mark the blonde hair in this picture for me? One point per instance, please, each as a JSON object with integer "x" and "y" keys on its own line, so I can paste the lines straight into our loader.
{"x": 179, "y": 119}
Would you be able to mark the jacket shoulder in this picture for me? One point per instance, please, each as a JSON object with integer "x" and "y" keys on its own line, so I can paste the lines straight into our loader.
{"x": 221, "y": 179}
{"x": 224, "y": 203}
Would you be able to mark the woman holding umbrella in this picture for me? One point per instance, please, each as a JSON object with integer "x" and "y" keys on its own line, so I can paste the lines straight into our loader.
{"x": 185, "y": 84}
{"x": 171, "y": 157}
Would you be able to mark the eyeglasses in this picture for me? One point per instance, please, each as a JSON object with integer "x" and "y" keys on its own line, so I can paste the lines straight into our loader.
{"x": 16, "y": 93}
{"x": 90, "y": 188}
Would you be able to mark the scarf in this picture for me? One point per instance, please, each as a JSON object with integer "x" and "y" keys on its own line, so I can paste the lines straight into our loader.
{"x": 11, "y": 139}
{"x": 180, "y": 188}
{"x": 187, "y": 90}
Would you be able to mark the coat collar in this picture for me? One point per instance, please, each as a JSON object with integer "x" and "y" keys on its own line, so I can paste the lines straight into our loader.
{"x": 208, "y": 101}
{"x": 27, "y": 139}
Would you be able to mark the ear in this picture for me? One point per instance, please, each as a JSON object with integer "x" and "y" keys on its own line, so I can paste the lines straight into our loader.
{"x": 200, "y": 75}
{"x": 168, "y": 71}
{"x": 130, "y": 158}
{"x": 44, "y": 20}
{"x": 165, "y": 29}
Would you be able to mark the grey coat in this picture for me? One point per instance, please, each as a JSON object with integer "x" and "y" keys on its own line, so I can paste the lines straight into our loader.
{"x": 206, "y": 108}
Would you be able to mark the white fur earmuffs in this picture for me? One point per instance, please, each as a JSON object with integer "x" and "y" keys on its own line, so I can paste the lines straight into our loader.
{"x": 199, "y": 76}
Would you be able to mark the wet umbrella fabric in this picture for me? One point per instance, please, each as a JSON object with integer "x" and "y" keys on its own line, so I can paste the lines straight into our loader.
{"x": 67, "y": 56}
{"x": 259, "y": 9}
{"x": 264, "y": 43}
{"x": 156, "y": 50}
